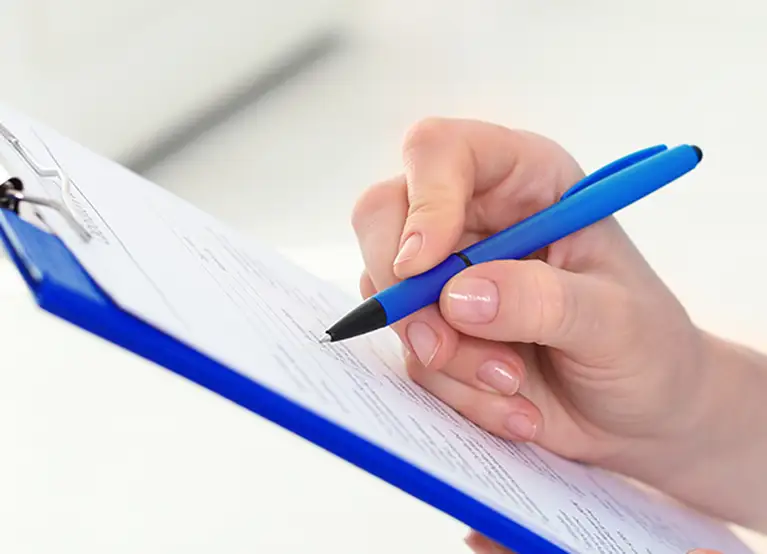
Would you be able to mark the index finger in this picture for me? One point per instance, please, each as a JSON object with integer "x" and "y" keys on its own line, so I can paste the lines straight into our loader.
{"x": 450, "y": 161}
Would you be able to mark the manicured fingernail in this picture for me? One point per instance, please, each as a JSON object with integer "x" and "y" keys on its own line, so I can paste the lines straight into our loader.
{"x": 521, "y": 426}
{"x": 410, "y": 248}
{"x": 472, "y": 300}
{"x": 423, "y": 341}
{"x": 498, "y": 376}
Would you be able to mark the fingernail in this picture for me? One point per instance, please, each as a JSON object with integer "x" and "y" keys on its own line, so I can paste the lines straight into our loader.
{"x": 472, "y": 300}
{"x": 410, "y": 248}
{"x": 423, "y": 341}
{"x": 521, "y": 426}
{"x": 498, "y": 376}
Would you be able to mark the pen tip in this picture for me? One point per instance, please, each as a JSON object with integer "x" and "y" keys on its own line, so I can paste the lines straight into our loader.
{"x": 698, "y": 152}
{"x": 325, "y": 339}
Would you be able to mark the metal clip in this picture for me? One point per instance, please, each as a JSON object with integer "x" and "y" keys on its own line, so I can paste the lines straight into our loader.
{"x": 12, "y": 188}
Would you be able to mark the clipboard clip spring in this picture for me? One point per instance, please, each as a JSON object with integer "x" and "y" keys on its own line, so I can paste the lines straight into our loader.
{"x": 12, "y": 195}
{"x": 12, "y": 189}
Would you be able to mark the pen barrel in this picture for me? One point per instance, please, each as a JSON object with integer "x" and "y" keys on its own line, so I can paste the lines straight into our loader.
{"x": 578, "y": 209}
{"x": 584, "y": 208}
{"x": 417, "y": 292}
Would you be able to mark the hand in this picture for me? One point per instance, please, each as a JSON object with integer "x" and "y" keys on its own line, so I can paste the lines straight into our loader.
{"x": 580, "y": 348}
{"x": 482, "y": 545}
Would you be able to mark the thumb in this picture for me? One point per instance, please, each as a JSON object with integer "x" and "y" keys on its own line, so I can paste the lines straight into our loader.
{"x": 532, "y": 302}
{"x": 439, "y": 171}
{"x": 703, "y": 551}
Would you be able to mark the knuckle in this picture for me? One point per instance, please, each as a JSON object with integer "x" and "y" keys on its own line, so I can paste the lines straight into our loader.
{"x": 554, "y": 308}
{"x": 423, "y": 133}
{"x": 366, "y": 287}
{"x": 439, "y": 203}
{"x": 422, "y": 142}
{"x": 621, "y": 315}
{"x": 371, "y": 201}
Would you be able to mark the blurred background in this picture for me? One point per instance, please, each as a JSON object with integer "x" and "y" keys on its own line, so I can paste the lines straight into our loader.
{"x": 274, "y": 116}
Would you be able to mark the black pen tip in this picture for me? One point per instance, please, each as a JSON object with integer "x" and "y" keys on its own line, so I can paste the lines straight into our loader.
{"x": 698, "y": 152}
{"x": 327, "y": 337}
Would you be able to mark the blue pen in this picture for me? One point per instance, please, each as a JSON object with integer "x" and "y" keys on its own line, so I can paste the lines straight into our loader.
{"x": 592, "y": 199}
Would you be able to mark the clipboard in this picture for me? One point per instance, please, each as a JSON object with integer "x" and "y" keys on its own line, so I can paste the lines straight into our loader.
{"x": 61, "y": 286}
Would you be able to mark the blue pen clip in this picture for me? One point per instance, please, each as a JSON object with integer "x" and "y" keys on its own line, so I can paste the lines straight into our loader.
{"x": 614, "y": 167}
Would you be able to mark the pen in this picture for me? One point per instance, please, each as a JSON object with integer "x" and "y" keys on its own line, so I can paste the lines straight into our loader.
{"x": 595, "y": 197}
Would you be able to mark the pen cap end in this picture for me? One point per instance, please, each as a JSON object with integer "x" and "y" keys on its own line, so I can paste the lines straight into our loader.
{"x": 698, "y": 152}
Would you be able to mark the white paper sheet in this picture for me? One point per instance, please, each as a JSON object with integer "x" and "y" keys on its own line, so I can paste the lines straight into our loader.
{"x": 180, "y": 270}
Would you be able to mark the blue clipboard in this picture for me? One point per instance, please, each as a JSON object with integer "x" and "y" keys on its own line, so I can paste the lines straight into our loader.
{"x": 61, "y": 286}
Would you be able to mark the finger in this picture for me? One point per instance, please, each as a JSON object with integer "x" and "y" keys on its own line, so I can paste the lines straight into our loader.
{"x": 440, "y": 182}
{"x": 509, "y": 417}
{"x": 533, "y": 302}
{"x": 448, "y": 161}
{"x": 487, "y": 365}
{"x": 704, "y": 551}
{"x": 479, "y": 544}
{"x": 377, "y": 220}
{"x": 539, "y": 415}
{"x": 367, "y": 288}
{"x": 502, "y": 369}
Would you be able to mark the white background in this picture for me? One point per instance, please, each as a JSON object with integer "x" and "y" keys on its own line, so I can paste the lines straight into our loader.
{"x": 121, "y": 76}
{"x": 105, "y": 453}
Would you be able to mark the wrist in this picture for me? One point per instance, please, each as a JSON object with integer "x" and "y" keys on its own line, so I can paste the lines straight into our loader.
{"x": 714, "y": 459}
{"x": 682, "y": 426}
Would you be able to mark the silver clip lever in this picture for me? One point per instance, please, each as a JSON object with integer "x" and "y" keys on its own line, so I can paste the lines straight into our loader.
{"x": 12, "y": 189}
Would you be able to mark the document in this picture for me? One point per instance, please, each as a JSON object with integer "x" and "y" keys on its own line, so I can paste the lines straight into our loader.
{"x": 235, "y": 300}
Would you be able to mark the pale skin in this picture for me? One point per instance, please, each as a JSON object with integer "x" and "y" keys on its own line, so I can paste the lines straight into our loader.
{"x": 581, "y": 349}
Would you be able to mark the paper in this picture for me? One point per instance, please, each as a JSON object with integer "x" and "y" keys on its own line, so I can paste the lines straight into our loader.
{"x": 180, "y": 270}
